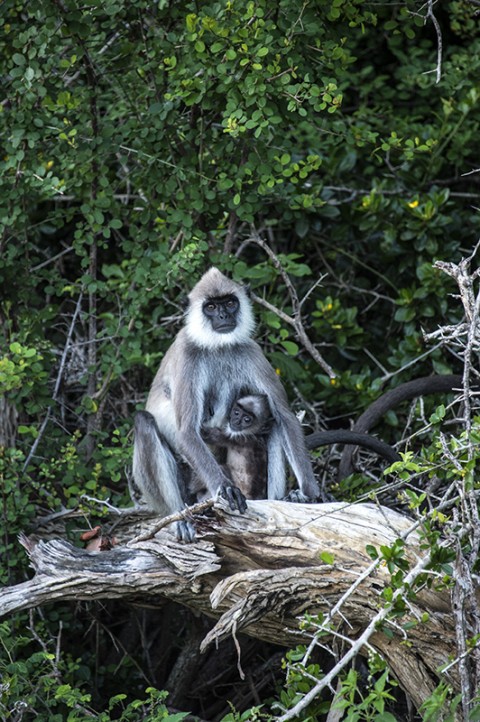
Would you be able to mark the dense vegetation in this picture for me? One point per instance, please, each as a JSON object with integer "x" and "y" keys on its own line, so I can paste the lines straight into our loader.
{"x": 144, "y": 142}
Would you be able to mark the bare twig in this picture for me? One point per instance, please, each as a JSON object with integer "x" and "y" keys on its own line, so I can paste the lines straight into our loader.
{"x": 436, "y": 25}
{"x": 57, "y": 382}
{"x": 465, "y": 335}
{"x": 184, "y": 514}
{"x": 430, "y": 16}
{"x": 296, "y": 319}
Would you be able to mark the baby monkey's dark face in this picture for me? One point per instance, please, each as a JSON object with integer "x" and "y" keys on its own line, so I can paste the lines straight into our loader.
{"x": 240, "y": 420}
{"x": 250, "y": 415}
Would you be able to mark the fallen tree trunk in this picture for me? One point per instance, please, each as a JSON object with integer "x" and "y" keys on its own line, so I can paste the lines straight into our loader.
{"x": 257, "y": 573}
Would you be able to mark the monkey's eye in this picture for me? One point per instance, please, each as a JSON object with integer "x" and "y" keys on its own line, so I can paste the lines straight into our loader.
{"x": 210, "y": 306}
{"x": 247, "y": 419}
{"x": 232, "y": 304}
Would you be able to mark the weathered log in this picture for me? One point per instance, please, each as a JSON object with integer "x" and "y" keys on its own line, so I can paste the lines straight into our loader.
{"x": 258, "y": 573}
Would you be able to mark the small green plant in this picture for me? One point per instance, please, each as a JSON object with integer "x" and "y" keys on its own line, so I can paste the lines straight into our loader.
{"x": 368, "y": 704}
{"x": 441, "y": 705}
{"x": 34, "y": 687}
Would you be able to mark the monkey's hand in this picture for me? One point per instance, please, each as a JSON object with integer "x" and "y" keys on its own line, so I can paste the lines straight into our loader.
{"x": 234, "y": 496}
{"x": 185, "y": 531}
{"x": 298, "y": 497}
{"x": 214, "y": 435}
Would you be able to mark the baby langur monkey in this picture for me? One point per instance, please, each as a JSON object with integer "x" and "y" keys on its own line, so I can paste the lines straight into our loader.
{"x": 242, "y": 444}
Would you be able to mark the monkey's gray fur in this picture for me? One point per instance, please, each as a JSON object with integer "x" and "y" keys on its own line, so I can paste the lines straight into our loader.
{"x": 242, "y": 444}
{"x": 212, "y": 362}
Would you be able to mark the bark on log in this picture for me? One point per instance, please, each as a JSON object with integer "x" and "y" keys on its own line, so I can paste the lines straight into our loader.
{"x": 257, "y": 573}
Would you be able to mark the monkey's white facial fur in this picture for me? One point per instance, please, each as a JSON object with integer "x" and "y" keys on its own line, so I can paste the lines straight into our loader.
{"x": 198, "y": 327}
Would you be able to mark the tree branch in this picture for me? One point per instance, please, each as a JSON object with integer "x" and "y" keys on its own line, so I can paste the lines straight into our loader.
{"x": 296, "y": 319}
{"x": 258, "y": 573}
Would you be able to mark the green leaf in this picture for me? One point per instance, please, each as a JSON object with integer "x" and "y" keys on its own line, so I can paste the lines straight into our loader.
{"x": 438, "y": 415}
{"x": 291, "y": 347}
{"x": 327, "y": 558}
{"x": 191, "y": 22}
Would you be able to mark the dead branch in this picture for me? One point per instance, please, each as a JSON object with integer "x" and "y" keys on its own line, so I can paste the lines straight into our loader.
{"x": 295, "y": 320}
{"x": 464, "y": 337}
{"x": 258, "y": 573}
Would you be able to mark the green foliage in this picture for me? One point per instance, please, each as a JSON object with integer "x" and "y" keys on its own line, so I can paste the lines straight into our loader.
{"x": 440, "y": 705}
{"x": 17, "y": 511}
{"x": 371, "y": 706}
{"x": 140, "y": 143}
{"x": 38, "y": 686}
{"x": 254, "y": 714}
{"x": 300, "y": 679}
{"x": 360, "y": 699}
{"x": 21, "y": 369}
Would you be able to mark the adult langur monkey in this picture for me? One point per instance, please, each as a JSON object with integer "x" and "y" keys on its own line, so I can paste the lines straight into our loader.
{"x": 212, "y": 362}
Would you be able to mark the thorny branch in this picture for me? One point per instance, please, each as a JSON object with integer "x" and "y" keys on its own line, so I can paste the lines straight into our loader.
{"x": 357, "y": 645}
{"x": 465, "y": 337}
{"x": 430, "y": 16}
{"x": 382, "y": 615}
{"x": 436, "y": 25}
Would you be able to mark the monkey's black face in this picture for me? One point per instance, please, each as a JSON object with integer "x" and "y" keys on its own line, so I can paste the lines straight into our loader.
{"x": 240, "y": 420}
{"x": 222, "y": 313}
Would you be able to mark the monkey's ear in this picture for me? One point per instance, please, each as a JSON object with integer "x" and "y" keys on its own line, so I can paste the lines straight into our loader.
{"x": 247, "y": 289}
{"x": 267, "y": 425}
{"x": 184, "y": 303}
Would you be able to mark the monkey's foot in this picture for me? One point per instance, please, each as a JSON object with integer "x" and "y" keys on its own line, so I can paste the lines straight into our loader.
{"x": 297, "y": 497}
{"x": 185, "y": 531}
{"x": 234, "y": 497}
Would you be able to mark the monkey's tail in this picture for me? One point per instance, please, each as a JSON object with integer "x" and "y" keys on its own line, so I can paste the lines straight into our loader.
{"x": 354, "y": 438}
{"x": 441, "y": 383}
{"x": 358, "y": 435}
